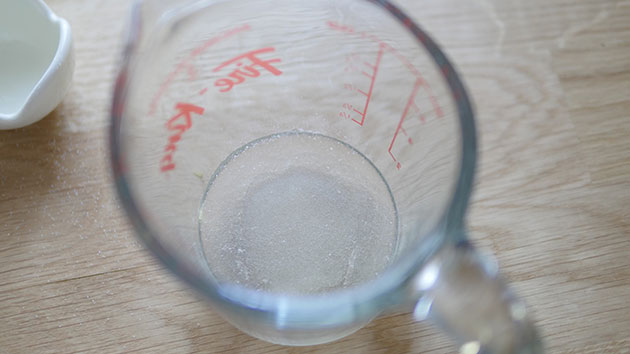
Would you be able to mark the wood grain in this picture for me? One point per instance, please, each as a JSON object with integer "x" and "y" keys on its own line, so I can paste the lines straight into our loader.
{"x": 551, "y": 83}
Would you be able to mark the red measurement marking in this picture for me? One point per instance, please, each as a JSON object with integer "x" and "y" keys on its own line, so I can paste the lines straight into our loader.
{"x": 409, "y": 140}
{"x": 186, "y": 64}
{"x": 434, "y": 103}
{"x": 204, "y": 90}
{"x": 368, "y": 95}
{"x": 346, "y": 115}
{"x": 347, "y": 29}
{"x": 178, "y": 124}
{"x": 410, "y": 102}
{"x": 338, "y": 27}
{"x": 420, "y": 114}
{"x": 351, "y": 60}
{"x": 242, "y": 71}
{"x": 192, "y": 72}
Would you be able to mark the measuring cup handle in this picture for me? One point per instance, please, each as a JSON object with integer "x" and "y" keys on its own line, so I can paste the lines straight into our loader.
{"x": 463, "y": 293}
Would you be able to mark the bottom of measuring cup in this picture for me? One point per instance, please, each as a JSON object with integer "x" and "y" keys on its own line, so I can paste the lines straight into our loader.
{"x": 297, "y": 213}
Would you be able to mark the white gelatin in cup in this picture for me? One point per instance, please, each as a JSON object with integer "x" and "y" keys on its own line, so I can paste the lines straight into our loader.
{"x": 297, "y": 213}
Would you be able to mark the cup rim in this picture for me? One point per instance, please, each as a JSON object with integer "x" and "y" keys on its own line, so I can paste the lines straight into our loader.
{"x": 318, "y": 311}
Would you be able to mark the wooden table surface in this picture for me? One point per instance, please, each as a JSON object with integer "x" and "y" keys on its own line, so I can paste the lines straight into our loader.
{"x": 551, "y": 84}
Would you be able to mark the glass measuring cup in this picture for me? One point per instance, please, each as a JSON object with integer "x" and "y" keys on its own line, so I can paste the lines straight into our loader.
{"x": 306, "y": 165}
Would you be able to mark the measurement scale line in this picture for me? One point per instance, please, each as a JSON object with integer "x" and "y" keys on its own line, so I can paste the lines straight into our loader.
{"x": 410, "y": 101}
{"x": 369, "y": 94}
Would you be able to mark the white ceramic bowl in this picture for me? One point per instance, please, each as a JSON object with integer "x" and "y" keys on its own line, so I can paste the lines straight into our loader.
{"x": 36, "y": 61}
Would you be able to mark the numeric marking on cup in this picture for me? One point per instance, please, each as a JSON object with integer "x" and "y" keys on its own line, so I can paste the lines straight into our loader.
{"x": 369, "y": 70}
{"x": 411, "y": 107}
{"x": 346, "y": 114}
{"x": 399, "y": 128}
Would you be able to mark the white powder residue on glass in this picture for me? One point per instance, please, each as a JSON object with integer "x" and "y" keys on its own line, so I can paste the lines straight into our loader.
{"x": 297, "y": 213}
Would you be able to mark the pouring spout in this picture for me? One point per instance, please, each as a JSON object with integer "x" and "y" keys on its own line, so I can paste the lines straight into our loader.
{"x": 37, "y": 62}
